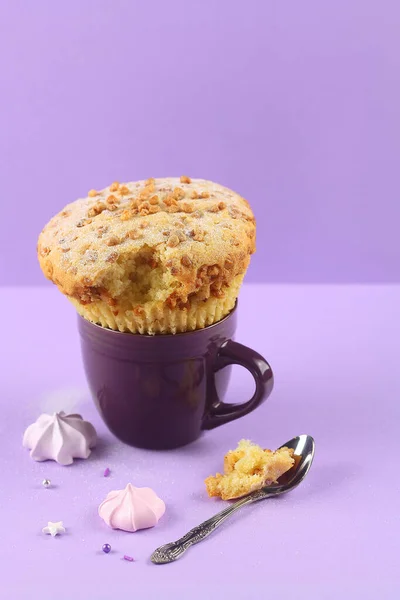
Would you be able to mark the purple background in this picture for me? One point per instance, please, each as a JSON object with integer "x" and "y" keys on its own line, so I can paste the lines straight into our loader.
{"x": 336, "y": 537}
{"x": 295, "y": 104}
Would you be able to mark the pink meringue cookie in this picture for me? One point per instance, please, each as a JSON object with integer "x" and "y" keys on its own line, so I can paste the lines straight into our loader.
{"x": 132, "y": 508}
{"x": 60, "y": 437}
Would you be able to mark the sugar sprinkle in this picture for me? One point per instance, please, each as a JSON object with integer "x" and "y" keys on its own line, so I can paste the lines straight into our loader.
{"x": 107, "y": 472}
{"x": 126, "y": 557}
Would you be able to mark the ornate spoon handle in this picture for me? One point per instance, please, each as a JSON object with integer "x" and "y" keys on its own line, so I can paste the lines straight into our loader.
{"x": 172, "y": 551}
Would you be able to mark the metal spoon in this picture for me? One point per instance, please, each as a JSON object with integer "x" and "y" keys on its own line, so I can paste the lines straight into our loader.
{"x": 303, "y": 446}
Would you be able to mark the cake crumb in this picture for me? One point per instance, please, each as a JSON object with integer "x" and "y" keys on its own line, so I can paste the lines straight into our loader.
{"x": 249, "y": 468}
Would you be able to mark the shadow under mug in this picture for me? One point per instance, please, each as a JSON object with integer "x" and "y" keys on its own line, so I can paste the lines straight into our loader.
{"x": 160, "y": 391}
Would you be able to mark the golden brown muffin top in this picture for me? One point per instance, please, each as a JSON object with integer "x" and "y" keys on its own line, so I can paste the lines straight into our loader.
{"x": 194, "y": 234}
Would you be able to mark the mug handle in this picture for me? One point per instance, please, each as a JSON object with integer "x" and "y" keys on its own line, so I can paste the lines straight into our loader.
{"x": 233, "y": 353}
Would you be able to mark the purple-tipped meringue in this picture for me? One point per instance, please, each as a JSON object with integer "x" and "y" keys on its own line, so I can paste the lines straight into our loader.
{"x": 132, "y": 508}
{"x": 60, "y": 437}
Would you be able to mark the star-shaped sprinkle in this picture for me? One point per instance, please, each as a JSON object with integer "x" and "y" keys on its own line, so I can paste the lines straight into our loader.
{"x": 54, "y": 528}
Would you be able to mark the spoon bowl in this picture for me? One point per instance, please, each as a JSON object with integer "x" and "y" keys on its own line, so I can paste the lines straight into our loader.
{"x": 304, "y": 449}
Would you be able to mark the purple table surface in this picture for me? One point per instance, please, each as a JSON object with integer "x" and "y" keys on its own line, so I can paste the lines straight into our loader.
{"x": 335, "y": 353}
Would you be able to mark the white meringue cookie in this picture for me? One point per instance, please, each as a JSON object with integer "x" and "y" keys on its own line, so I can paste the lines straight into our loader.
{"x": 60, "y": 437}
{"x": 132, "y": 508}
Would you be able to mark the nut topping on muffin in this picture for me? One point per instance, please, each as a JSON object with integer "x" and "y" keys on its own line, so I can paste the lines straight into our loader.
{"x": 179, "y": 250}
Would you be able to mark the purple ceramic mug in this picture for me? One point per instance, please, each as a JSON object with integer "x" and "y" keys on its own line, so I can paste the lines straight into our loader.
{"x": 159, "y": 392}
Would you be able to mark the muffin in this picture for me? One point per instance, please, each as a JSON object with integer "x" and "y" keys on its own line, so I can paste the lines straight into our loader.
{"x": 249, "y": 468}
{"x": 156, "y": 256}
